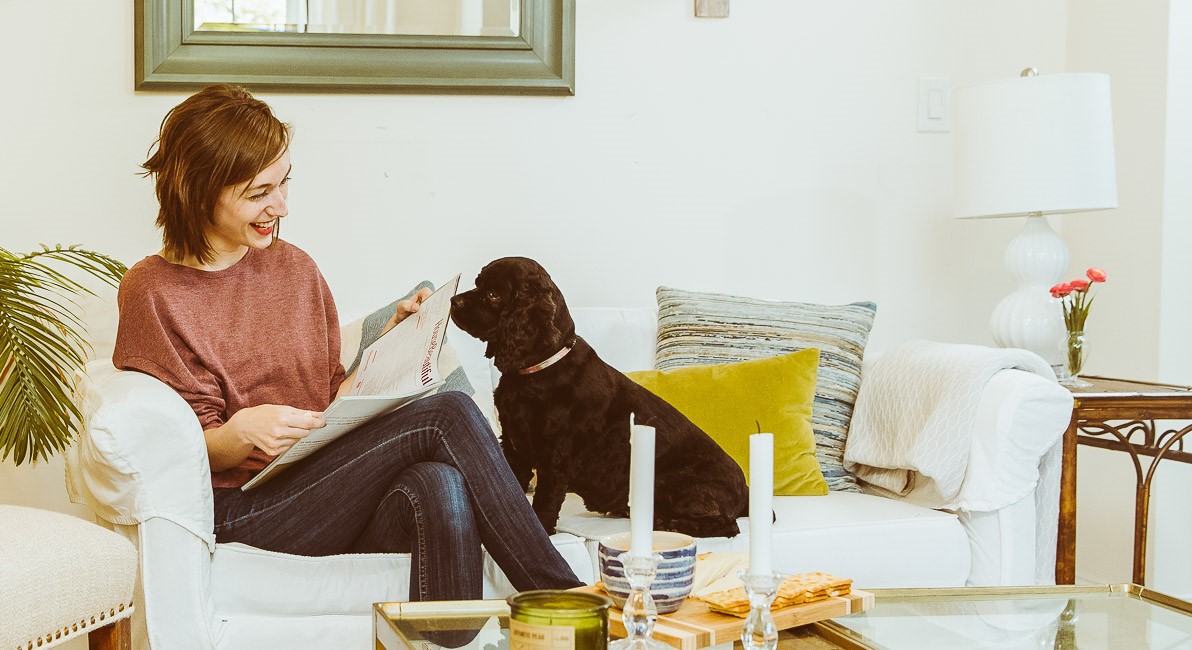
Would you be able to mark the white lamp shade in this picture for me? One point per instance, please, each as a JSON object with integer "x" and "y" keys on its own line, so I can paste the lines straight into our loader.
{"x": 1033, "y": 144}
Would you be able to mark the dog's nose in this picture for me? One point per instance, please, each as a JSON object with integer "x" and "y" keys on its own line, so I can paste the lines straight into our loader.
{"x": 457, "y": 301}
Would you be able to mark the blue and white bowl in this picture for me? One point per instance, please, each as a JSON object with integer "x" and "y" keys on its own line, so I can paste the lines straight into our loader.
{"x": 672, "y": 579}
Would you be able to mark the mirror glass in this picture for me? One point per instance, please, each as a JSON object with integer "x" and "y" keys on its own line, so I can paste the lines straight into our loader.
{"x": 419, "y": 17}
{"x": 524, "y": 47}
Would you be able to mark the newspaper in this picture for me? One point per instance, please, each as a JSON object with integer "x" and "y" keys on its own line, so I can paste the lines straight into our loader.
{"x": 397, "y": 369}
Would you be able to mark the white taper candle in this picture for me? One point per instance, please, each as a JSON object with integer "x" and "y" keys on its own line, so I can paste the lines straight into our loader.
{"x": 761, "y": 497}
{"x": 641, "y": 490}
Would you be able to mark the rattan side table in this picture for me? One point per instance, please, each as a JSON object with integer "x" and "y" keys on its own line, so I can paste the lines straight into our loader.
{"x": 1121, "y": 415}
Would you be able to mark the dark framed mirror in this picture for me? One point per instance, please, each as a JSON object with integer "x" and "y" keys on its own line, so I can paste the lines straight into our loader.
{"x": 524, "y": 48}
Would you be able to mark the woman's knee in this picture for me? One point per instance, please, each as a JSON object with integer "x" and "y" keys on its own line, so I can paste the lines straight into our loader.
{"x": 463, "y": 416}
{"x": 440, "y": 491}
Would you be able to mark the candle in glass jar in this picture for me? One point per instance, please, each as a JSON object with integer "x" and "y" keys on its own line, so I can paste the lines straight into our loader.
{"x": 641, "y": 490}
{"x": 761, "y": 495}
{"x": 562, "y": 620}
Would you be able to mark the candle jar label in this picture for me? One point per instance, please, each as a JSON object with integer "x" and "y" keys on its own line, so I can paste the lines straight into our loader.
{"x": 528, "y": 636}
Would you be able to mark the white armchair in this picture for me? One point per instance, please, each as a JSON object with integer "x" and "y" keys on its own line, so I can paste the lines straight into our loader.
{"x": 141, "y": 466}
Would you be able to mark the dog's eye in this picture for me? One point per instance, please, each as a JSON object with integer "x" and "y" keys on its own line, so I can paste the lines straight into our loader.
{"x": 492, "y": 296}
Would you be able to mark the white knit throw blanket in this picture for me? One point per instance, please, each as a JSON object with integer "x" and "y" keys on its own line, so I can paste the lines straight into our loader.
{"x": 916, "y": 410}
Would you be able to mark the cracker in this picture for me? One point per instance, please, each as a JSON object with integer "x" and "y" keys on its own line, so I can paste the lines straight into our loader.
{"x": 794, "y": 590}
{"x": 728, "y": 599}
{"x": 809, "y": 587}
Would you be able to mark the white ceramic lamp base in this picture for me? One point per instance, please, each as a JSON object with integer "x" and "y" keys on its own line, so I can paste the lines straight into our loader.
{"x": 1030, "y": 318}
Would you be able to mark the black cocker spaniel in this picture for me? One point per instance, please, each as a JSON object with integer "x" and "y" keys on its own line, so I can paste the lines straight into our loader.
{"x": 565, "y": 413}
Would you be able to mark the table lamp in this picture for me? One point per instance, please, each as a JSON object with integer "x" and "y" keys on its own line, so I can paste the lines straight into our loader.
{"x": 1032, "y": 146}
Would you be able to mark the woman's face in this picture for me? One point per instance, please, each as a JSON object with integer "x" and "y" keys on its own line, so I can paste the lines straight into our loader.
{"x": 247, "y": 214}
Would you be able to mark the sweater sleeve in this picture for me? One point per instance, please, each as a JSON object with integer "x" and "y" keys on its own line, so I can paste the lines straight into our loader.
{"x": 334, "y": 341}
{"x": 147, "y": 341}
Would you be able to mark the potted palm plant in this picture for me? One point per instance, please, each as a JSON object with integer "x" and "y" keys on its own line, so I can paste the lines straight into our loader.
{"x": 42, "y": 346}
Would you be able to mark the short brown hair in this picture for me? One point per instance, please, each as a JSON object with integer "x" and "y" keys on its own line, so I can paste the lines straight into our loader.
{"x": 219, "y": 136}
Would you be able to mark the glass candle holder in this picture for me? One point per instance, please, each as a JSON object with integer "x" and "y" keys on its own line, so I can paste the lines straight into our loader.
{"x": 558, "y": 620}
{"x": 760, "y": 632}
{"x": 639, "y": 613}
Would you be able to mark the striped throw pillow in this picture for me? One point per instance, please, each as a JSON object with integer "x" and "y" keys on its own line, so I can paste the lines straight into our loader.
{"x": 704, "y": 328}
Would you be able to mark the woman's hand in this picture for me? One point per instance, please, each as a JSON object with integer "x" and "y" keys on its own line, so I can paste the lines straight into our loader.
{"x": 407, "y": 307}
{"x": 272, "y": 428}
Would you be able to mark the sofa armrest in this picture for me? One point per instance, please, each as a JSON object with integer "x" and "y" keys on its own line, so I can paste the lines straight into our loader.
{"x": 1021, "y": 416}
{"x": 926, "y": 409}
{"x": 141, "y": 453}
{"x": 1008, "y": 498}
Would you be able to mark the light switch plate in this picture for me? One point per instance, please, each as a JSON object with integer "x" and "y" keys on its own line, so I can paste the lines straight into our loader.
{"x": 935, "y": 105}
{"x": 711, "y": 8}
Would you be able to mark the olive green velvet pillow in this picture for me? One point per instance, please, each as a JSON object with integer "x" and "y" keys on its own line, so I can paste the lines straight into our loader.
{"x": 730, "y": 400}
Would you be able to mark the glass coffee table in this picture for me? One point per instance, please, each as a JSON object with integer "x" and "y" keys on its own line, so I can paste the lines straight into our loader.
{"x": 1068, "y": 617}
{"x": 1107, "y": 617}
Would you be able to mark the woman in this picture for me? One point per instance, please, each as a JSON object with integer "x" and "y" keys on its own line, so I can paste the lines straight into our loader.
{"x": 243, "y": 326}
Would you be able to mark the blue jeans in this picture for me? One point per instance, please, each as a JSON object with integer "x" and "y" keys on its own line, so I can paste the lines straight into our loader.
{"x": 428, "y": 479}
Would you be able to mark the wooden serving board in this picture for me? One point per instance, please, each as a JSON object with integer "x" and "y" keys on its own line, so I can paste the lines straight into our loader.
{"x": 695, "y": 626}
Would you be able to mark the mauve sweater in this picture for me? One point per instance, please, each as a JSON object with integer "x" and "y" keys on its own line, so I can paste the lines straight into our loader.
{"x": 263, "y": 331}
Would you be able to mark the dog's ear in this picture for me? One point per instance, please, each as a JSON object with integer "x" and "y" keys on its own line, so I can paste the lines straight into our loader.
{"x": 535, "y": 322}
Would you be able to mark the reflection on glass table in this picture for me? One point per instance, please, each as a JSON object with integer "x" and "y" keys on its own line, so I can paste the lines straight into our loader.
{"x": 464, "y": 624}
{"x": 1067, "y": 617}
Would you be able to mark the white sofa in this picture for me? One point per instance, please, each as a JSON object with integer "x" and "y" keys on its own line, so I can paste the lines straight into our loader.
{"x": 879, "y": 539}
{"x": 141, "y": 466}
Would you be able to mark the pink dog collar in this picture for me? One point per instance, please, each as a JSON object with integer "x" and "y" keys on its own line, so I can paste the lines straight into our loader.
{"x": 545, "y": 364}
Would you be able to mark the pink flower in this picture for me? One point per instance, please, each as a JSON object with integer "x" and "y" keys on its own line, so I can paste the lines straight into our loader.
{"x": 1076, "y": 297}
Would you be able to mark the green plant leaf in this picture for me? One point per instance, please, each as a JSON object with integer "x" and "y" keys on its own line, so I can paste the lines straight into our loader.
{"x": 43, "y": 347}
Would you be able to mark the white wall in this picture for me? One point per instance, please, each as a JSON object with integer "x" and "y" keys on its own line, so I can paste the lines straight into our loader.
{"x": 1129, "y": 42}
{"x": 773, "y": 153}
{"x": 1140, "y": 324}
{"x": 1175, "y": 363}
{"x": 1170, "y": 525}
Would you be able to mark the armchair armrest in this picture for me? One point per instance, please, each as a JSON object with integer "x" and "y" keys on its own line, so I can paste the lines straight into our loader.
{"x": 141, "y": 453}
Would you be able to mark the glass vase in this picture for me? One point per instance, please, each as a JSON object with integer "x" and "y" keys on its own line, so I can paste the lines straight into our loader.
{"x": 1075, "y": 353}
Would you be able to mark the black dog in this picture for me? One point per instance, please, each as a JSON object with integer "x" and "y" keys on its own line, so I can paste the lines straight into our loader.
{"x": 565, "y": 413}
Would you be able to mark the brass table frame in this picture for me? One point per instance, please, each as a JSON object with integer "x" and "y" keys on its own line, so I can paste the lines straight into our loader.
{"x": 1120, "y": 415}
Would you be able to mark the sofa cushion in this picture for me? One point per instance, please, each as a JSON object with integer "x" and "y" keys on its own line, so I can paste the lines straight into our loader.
{"x": 729, "y": 401}
{"x": 624, "y": 338}
{"x": 878, "y": 542}
{"x": 699, "y": 328}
